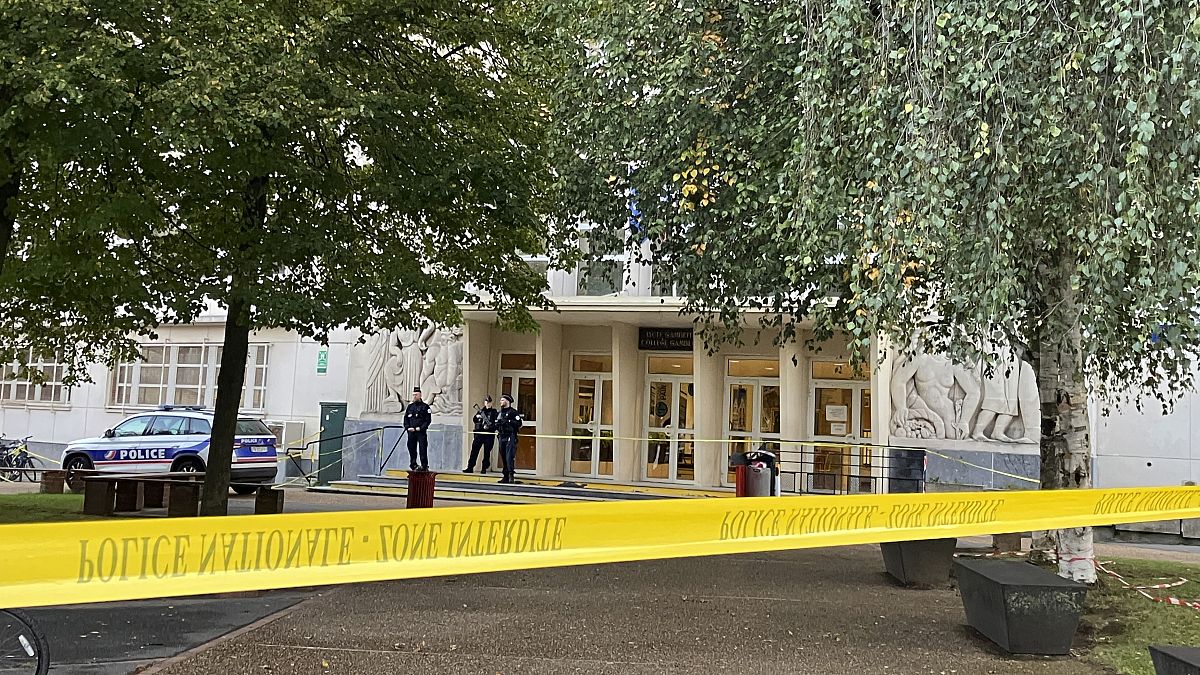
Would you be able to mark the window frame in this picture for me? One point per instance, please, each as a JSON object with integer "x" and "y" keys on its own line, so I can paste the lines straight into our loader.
{"x": 125, "y": 384}
{"x": 61, "y": 393}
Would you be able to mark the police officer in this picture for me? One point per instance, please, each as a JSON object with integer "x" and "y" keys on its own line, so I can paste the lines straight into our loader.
{"x": 416, "y": 421}
{"x": 508, "y": 423}
{"x": 484, "y": 436}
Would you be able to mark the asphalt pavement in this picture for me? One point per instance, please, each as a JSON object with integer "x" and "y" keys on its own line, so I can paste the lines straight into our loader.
{"x": 119, "y": 637}
{"x": 828, "y": 611}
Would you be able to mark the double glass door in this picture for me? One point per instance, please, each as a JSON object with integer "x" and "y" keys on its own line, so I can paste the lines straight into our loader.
{"x": 591, "y": 451}
{"x": 842, "y": 417}
{"x": 670, "y": 429}
{"x": 751, "y": 416}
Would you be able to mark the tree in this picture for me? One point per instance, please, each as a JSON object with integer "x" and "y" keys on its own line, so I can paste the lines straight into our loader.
{"x": 311, "y": 165}
{"x": 950, "y": 169}
{"x": 66, "y": 97}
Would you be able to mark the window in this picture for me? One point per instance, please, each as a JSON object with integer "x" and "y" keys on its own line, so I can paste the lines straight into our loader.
{"x": 603, "y": 270}
{"x": 753, "y": 368}
{"x": 518, "y": 362}
{"x": 166, "y": 425}
{"x": 252, "y": 428}
{"x": 135, "y": 426}
{"x": 839, "y": 370}
{"x": 591, "y": 364}
{"x": 670, "y": 365}
{"x": 199, "y": 426}
{"x": 185, "y": 375}
{"x": 662, "y": 281}
{"x": 17, "y": 389}
{"x": 602, "y": 277}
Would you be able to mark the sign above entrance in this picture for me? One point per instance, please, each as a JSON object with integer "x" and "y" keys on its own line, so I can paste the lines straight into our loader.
{"x": 665, "y": 339}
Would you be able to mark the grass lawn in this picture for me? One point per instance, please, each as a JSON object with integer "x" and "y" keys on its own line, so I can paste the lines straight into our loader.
{"x": 1123, "y": 622}
{"x": 33, "y": 507}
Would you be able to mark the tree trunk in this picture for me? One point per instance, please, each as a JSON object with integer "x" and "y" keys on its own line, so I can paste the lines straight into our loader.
{"x": 1065, "y": 443}
{"x": 232, "y": 377}
{"x": 229, "y": 397}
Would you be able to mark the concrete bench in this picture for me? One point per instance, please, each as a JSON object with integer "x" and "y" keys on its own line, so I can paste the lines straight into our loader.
{"x": 1021, "y": 607}
{"x": 1172, "y": 660}
{"x": 921, "y": 564}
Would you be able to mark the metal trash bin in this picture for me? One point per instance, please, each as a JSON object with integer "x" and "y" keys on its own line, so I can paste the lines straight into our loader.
{"x": 754, "y": 473}
{"x": 421, "y": 485}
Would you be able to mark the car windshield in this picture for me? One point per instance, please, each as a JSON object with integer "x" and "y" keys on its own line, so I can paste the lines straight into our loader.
{"x": 252, "y": 428}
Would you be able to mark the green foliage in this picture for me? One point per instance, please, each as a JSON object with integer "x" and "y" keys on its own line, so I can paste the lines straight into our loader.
{"x": 366, "y": 164}
{"x": 896, "y": 166}
{"x": 66, "y": 100}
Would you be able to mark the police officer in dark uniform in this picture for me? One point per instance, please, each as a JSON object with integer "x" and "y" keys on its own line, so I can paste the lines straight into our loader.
{"x": 508, "y": 422}
{"x": 416, "y": 421}
{"x": 484, "y": 436}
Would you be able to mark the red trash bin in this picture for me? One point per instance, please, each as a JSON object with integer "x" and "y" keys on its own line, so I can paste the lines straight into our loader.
{"x": 420, "y": 489}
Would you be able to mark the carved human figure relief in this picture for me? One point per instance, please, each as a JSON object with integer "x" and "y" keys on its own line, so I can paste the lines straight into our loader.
{"x": 1005, "y": 393}
{"x": 934, "y": 398}
{"x": 429, "y": 358}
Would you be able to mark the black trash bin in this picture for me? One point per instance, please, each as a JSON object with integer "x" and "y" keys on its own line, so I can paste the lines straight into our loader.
{"x": 754, "y": 473}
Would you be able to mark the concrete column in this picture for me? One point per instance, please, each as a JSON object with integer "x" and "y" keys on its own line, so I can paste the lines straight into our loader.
{"x": 551, "y": 417}
{"x": 710, "y": 401}
{"x": 477, "y": 375}
{"x": 627, "y": 401}
{"x": 793, "y": 400}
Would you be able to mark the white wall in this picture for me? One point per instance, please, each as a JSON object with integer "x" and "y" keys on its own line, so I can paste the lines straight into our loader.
{"x": 294, "y": 390}
{"x": 1147, "y": 448}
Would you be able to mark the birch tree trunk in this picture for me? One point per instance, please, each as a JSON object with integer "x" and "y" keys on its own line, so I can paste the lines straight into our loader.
{"x": 1065, "y": 443}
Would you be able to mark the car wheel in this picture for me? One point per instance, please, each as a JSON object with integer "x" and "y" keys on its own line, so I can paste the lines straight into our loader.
{"x": 244, "y": 489}
{"x": 189, "y": 464}
{"x": 75, "y": 466}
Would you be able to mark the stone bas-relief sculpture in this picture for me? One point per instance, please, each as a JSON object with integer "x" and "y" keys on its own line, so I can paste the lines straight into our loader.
{"x": 399, "y": 360}
{"x": 935, "y": 398}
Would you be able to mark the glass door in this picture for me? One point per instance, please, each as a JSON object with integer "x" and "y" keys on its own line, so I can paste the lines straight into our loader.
{"x": 518, "y": 378}
{"x": 670, "y": 448}
{"x": 752, "y": 417}
{"x": 841, "y": 417}
{"x": 591, "y": 451}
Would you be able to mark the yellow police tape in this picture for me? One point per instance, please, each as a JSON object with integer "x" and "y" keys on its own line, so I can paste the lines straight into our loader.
{"x": 96, "y": 561}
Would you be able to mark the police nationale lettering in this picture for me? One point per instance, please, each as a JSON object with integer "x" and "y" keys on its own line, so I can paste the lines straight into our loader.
{"x": 121, "y": 559}
{"x": 749, "y": 524}
{"x": 1146, "y": 501}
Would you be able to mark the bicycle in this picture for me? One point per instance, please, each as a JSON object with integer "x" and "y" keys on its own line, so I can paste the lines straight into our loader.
{"x": 14, "y": 458}
{"x": 23, "y": 648}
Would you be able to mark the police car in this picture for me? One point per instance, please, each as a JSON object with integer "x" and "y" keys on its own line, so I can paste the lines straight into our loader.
{"x": 175, "y": 438}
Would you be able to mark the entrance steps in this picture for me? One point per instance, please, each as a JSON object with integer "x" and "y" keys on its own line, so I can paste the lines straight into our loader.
{"x": 528, "y": 490}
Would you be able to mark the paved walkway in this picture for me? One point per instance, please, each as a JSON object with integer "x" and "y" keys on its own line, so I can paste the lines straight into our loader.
{"x": 815, "y": 611}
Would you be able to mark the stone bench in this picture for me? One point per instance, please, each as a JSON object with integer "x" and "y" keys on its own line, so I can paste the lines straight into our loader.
{"x": 106, "y": 494}
{"x": 1172, "y": 660}
{"x": 921, "y": 564}
{"x": 268, "y": 500}
{"x": 1021, "y": 607}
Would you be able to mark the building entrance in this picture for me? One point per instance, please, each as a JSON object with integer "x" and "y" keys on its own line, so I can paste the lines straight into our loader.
{"x": 670, "y": 451}
{"x": 518, "y": 378}
{"x": 751, "y": 407}
{"x": 591, "y": 417}
{"x": 841, "y": 414}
